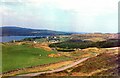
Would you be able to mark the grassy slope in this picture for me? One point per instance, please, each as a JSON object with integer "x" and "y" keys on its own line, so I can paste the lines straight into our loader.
{"x": 20, "y": 56}
{"x": 92, "y": 67}
{"x": 103, "y": 61}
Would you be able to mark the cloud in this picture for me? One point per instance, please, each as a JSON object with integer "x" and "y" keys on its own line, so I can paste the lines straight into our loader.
{"x": 66, "y": 15}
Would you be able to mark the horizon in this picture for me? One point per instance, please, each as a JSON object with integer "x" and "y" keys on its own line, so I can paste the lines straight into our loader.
{"x": 65, "y": 31}
{"x": 68, "y": 16}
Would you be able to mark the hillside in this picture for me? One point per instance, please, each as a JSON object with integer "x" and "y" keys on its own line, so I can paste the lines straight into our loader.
{"x": 18, "y": 31}
{"x": 105, "y": 64}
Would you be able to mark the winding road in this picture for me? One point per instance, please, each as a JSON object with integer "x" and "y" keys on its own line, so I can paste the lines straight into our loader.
{"x": 56, "y": 70}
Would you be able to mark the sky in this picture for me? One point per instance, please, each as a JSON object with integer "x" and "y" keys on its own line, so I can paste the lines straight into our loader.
{"x": 61, "y": 15}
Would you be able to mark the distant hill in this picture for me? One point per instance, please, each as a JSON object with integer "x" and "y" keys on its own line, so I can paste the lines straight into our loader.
{"x": 18, "y": 31}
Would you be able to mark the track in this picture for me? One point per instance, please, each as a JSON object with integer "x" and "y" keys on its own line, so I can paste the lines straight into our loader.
{"x": 56, "y": 70}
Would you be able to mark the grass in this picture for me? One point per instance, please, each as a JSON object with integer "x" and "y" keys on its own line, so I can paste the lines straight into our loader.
{"x": 103, "y": 61}
{"x": 92, "y": 67}
{"x": 20, "y": 56}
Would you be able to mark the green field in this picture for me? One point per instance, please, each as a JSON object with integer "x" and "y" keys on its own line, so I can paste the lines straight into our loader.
{"x": 20, "y": 56}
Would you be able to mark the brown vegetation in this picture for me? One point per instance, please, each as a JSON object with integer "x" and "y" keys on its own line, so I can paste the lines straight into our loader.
{"x": 104, "y": 64}
{"x": 42, "y": 45}
{"x": 54, "y": 55}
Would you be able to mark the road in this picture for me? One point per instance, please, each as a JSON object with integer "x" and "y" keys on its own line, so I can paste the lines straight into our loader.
{"x": 56, "y": 70}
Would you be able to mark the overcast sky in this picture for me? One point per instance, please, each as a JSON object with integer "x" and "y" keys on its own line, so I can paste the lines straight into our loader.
{"x": 63, "y": 15}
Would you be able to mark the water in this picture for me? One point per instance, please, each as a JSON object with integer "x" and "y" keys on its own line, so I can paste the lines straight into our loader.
{"x": 10, "y": 38}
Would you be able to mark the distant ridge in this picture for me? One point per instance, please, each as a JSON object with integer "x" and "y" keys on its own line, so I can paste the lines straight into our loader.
{"x": 18, "y": 31}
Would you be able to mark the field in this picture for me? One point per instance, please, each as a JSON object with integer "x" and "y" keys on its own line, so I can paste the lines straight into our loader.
{"x": 53, "y": 53}
{"x": 20, "y": 56}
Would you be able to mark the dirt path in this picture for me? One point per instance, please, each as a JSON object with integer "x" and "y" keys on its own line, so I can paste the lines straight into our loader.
{"x": 56, "y": 70}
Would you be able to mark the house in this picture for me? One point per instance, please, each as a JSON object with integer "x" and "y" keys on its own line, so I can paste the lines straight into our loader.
{"x": 35, "y": 42}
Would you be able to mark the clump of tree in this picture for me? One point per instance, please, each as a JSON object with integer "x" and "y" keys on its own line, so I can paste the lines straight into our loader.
{"x": 28, "y": 39}
{"x": 64, "y": 49}
{"x": 108, "y": 43}
{"x": 31, "y": 38}
{"x": 71, "y": 44}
